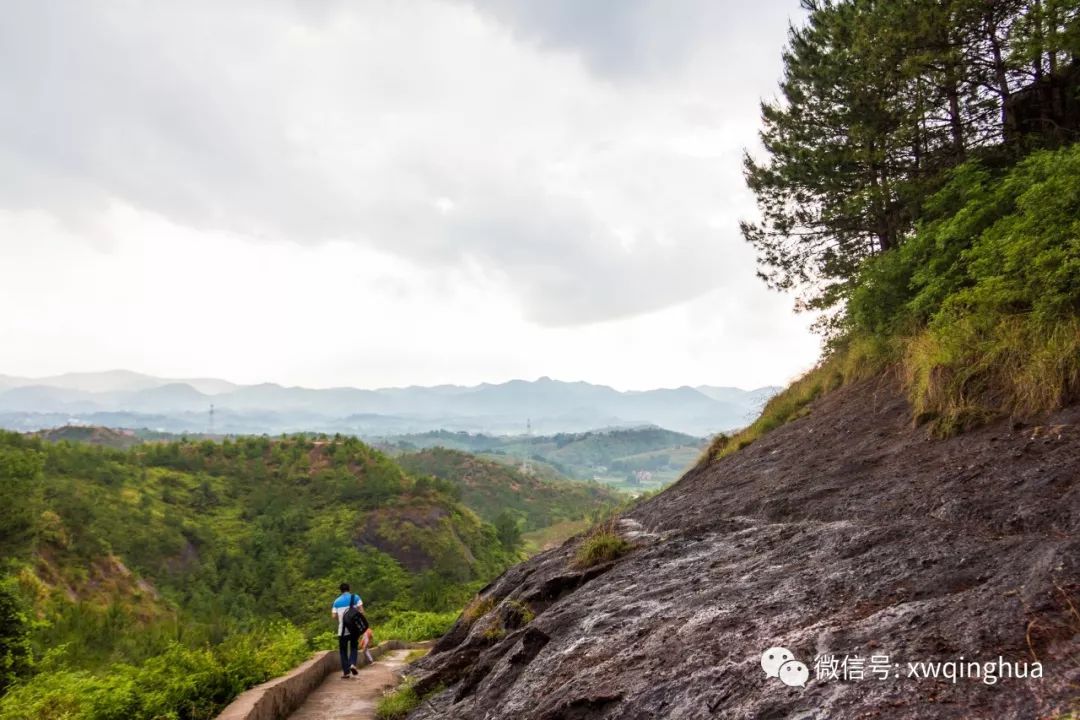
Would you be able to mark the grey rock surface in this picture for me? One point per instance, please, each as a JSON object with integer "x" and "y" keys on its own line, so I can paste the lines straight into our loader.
{"x": 846, "y": 532}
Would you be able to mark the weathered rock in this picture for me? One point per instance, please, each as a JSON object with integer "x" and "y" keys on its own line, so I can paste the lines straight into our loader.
{"x": 845, "y": 532}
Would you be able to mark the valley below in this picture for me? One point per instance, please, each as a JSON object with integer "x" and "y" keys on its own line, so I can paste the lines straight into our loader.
{"x": 159, "y": 579}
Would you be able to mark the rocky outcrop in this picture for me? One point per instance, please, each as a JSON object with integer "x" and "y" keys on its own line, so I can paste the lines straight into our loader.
{"x": 846, "y": 533}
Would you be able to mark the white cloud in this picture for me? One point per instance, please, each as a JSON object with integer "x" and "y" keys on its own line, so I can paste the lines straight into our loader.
{"x": 572, "y": 180}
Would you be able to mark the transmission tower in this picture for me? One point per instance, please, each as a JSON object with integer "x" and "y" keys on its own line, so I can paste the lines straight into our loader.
{"x": 526, "y": 466}
{"x": 210, "y": 427}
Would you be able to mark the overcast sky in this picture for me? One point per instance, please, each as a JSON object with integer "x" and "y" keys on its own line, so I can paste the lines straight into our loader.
{"x": 394, "y": 192}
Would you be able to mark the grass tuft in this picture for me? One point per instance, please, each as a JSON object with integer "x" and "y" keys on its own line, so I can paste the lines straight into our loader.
{"x": 519, "y": 613}
{"x": 494, "y": 631}
{"x": 416, "y": 654}
{"x": 477, "y": 608}
{"x": 511, "y": 615}
{"x": 398, "y": 703}
{"x": 603, "y": 544}
{"x": 962, "y": 373}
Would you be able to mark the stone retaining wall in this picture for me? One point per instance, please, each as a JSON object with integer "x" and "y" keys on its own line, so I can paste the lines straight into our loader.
{"x": 276, "y": 699}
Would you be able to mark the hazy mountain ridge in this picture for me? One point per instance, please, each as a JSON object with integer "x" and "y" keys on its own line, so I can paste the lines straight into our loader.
{"x": 491, "y": 489}
{"x": 183, "y": 405}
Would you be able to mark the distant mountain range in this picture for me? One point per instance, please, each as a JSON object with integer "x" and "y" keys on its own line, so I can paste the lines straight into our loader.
{"x": 122, "y": 398}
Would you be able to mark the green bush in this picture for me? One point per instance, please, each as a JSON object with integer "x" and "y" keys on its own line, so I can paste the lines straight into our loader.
{"x": 992, "y": 241}
{"x": 20, "y": 491}
{"x": 986, "y": 296}
{"x": 413, "y": 626}
{"x": 180, "y": 684}
{"x": 508, "y": 530}
{"x": 15, "y": 656}
{"x": 477, "y": 608}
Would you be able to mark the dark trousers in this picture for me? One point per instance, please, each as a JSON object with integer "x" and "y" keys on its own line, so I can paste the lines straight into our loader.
{"x": 347, "y": 648}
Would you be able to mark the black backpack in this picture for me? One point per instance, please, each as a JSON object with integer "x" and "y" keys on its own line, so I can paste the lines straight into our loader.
{"x": 354, "y": 620}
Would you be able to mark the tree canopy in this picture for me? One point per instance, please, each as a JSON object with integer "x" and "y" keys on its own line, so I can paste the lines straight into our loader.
{"x": 878, "y": 101}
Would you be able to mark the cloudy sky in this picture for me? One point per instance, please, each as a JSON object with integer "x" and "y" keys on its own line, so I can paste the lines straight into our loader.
{"x": 388, "y": 192}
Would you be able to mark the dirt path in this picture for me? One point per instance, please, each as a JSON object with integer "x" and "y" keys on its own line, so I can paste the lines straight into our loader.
{"x": 338, "y": 699}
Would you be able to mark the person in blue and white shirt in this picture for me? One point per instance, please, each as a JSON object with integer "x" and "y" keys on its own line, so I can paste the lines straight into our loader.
{"x": 348, "y": 645}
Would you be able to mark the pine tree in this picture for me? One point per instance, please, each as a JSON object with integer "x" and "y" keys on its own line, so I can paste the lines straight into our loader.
{"x": 878, "y": 101}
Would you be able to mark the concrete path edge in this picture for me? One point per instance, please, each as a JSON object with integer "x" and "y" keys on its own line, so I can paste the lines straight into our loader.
{"x": 276, "y": 699}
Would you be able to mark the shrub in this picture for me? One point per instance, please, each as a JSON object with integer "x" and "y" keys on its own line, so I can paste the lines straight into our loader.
{"x": 413, "y": 626}
{"x": 181, "y": 682}
{"x": 979, "y": 309}
{"x": 993, "y": 306}
{"x": 494, "y": 631}
{"x": 15, "y": 657}
{"x": 508, "y": 530}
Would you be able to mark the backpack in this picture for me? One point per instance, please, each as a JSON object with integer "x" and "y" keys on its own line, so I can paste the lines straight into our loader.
{"x": 354, "y": 620}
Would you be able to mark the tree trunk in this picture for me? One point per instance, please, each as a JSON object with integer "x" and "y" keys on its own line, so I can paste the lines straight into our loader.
{"x": 952, "y": 92}
{"x": 956, "y": 125}
{"x": 1001, "y": 77}
{"x": 1037, "y": 35}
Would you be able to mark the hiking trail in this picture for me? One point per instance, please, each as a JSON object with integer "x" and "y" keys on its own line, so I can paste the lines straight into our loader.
{"x": 355, "y": 699}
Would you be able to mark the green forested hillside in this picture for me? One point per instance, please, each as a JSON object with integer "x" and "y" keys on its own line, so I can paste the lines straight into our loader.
{"x": 95, "y": 435}
{"x": 496, "y": 490}
{"x": 611, "y": 456}
{"x": 159, "y": 581}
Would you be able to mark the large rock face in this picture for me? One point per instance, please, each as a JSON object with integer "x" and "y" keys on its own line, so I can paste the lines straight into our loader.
{"x": 846, "y": 532}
